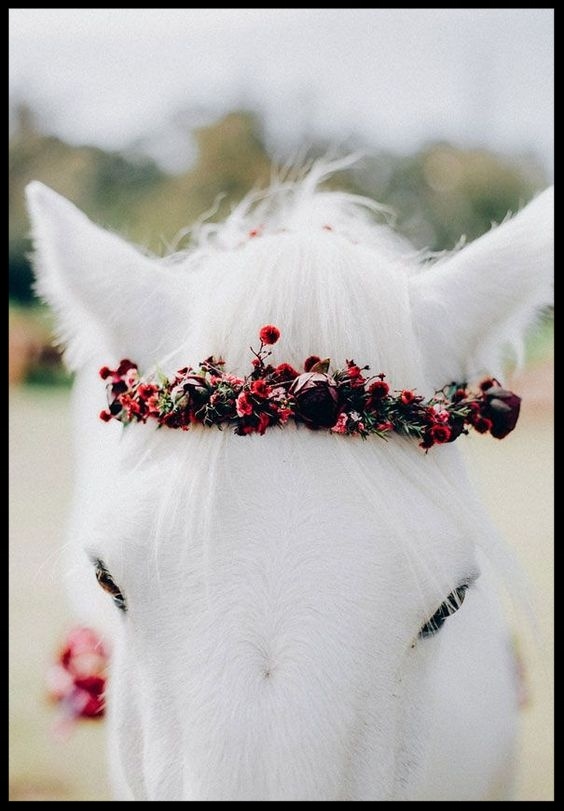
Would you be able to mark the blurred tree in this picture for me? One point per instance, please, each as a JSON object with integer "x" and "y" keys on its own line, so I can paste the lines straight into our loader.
{"x": 440, "y": 193}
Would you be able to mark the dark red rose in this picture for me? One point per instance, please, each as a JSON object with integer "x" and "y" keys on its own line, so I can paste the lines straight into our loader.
{"x": 311, "y": 361}
{"x": 459, "y": 395}
{"x": 285, "y": 372}
{"x": 407, "y": 397}
{"x": 488, "y": 383}
{"x": 378, "y": 390}
{"x": 193, "y": 381}
{"x": 269, "y": 334}
{"x": 502, "y": 408}
{"x": 105, "y": 372}
{"x": 482, "y": 424}
{"x": 105, "y": 415}
{"x": 119, "y": 387}
{"x": 317, "y": 398}
{"x": 440, "y": 432}
{"x": 456, "y": 428}
{"x": 124, "y": 366}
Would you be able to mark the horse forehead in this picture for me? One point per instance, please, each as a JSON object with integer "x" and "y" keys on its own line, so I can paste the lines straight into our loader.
{"x": 292, "y": 495}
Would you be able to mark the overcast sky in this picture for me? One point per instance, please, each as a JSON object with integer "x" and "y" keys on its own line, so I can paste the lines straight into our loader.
{"x": 393, "y": 78}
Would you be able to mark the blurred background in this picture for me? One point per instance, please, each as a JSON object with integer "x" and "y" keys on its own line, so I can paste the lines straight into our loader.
{"x": 147, "y": 119}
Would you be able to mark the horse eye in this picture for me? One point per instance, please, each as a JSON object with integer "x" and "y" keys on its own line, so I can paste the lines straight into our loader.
{"x": 107, "y": 582}
{"x": 450, "y": 605}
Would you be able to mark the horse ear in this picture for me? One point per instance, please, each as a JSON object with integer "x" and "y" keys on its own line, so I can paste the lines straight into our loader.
{"x": 470, "y": 308}
{"x": 108, "y": 297}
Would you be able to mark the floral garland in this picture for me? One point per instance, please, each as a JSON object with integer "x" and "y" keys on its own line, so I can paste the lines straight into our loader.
{"x": 345, "y": 401}
{"x": 76, "y": 682}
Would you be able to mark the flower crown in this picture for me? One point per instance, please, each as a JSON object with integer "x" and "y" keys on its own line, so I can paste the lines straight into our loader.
{"x": 345, "y": 401}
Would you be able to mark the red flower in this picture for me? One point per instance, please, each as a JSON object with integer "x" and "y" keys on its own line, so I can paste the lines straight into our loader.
{"x": 129, "y": 404}
{"x": 269, "y": 334}
{"x": 260, "y": 388}
{"x": 146, "y": 390}
{"x": 482, "y": 424}
{"x": 105, "y": 415}
{"x": 243, "y": 405}
{"x": 285, "y": 372}
{"x": 440, "y": 433}
{"x": 311, "y": 361}
{"x": 385, "y": 426}
{"x": 407, "y": 397}
{"x": 354, "y": 374}
{"x": 105, "y": 372}
{"x": 458, "y": 395}
{"x": 378, "y": 390}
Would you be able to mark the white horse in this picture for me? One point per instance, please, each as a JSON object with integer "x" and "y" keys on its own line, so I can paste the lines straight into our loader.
{"x": 276, "y": 586}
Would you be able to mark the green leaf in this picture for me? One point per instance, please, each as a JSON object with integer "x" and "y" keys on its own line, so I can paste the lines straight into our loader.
{"x": 321, "y": 366}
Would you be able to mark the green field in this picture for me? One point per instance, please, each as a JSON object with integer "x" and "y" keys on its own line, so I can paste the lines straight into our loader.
{"x": 516, "y": 479}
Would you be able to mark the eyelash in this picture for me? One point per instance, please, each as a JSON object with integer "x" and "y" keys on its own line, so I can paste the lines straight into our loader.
{"x": 106, "y": 581}
{"x": 445, "y": 610}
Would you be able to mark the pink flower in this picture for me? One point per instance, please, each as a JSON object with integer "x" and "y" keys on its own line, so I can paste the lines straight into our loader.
{"x": 284, "y": 415}
{"x": 440, "y": 414}
{"x": 233, "y": 380}
{"x": 243, "y": 405}
{"x": 340, "y": 426}
{"x": 407, "y": 397}
{"x": 131, "y": 377}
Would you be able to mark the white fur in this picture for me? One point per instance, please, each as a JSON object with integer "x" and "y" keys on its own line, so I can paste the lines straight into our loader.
{"x": 276, "y": 584}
